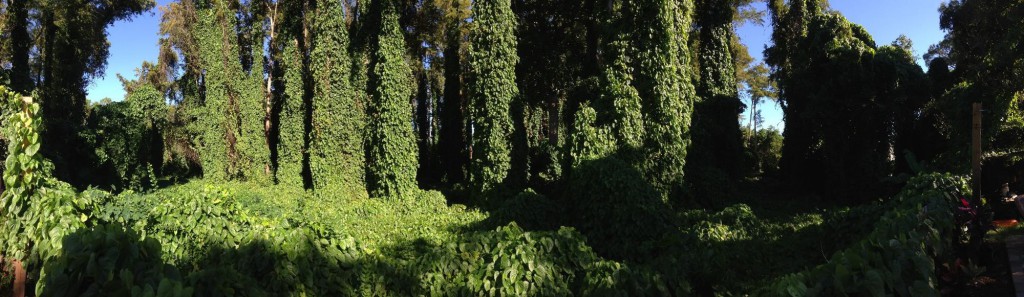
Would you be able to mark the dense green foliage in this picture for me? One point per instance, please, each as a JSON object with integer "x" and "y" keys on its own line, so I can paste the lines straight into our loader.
{"x": 38, "y": 210}
{"x": 391, "y": 145}
{"x": 127, "y": 136}
{"x": 858, "y": 109}
{"x": 492, "y": 87}
{"x": 242, "y": 160}
{"x": 290, "y": 103}
{"x": 240, "y": 239}
{"x": 252, "y": 92}
{"x": 614, "y": 125}
{"x": 336, "y": 138}
{"x": 621, "y": 214}
{"x": 109, "y": 260}
{"x": 983, "y": 60}
{"x": 230, "y": 143}
{"x": 715, "y": 156}
{"x": 69, "y": 48}
{"x": 763, "y": 151}
{"x": 898, "y": 256}
{"x": 662, "y": 56}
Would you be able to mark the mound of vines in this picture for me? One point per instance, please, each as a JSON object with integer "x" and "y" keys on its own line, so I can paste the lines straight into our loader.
{"x": 898, "y": 257}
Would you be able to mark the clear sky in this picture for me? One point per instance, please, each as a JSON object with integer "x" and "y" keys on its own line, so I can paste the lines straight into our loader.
{"x": 134, "y": 41}
{"x": 131, "y": 42}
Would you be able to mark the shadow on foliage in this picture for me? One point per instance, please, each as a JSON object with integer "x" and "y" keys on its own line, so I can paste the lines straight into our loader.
{"x": 609, "y": 201}
{"x": 735, "y": 252}
{"x": 110, "y": 260}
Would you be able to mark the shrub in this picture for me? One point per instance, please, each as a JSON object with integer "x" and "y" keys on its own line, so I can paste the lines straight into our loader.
{"x": 531, "y": 210}
{"x": 226, "y": 250}
{"x": 128, "y": 140}
{"x": 620, "y": 213}
{"x": 511, "y": 262}
{"x": 109, "y": 260}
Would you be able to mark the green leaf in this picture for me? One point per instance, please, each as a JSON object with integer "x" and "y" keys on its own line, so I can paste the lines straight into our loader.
{"x": 873, "y": 281}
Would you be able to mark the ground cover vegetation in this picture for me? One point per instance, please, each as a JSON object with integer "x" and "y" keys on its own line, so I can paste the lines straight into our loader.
{"x": 496, "y": 147}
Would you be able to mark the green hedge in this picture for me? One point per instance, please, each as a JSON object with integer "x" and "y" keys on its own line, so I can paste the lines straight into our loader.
{"x": 897, "y": 258}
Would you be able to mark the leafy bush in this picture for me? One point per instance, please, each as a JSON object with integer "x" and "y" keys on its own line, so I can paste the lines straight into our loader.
{"x": 764, "y": 150}
{"x": 897, "y": 258}
{"x": 226, "y": 250}
{"x": 109, "y": 260}
{"x": 37, "y": 210}
{"x": 127, "y": 138}
{"x": 531, "y": 210}
{"x": 621, "y": 214}
{"x": 511, "y": 262}
{"x": 507, "y": 261}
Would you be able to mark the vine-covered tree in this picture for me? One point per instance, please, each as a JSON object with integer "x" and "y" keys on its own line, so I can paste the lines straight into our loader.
{"x": 253, "y": 91}
{"x": 492, "y": 87}
{"x": 391, "y": 143}
{"x": 613, "y": 125}
{"x": 983, "y": 48}
{"x": 231, "y": 143}
{"x": 128, "y": 138}
{"x": 840, "y": 131}
{"x": 336, "y": 138}
{"x": 19, "y": 42}
{"x": 715, "y": 156}
{"x": 452, "y": 136}
{"x": 71, "y": 49}
{"x": 662, "y": 71}
{"x": 290, "y": 106}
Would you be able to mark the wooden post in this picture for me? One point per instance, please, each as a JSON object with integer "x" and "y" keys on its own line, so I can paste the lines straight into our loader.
{"x": 19, "y": 279}
{"x": 976, "y": 154}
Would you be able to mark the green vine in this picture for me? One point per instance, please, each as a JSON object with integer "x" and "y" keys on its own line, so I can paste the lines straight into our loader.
{"x": 392, "y": 153}
{"x": 336, "y": 140}
{"x": 492, "y": 60}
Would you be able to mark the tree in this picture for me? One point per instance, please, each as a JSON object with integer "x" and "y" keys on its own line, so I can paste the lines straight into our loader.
{"x": 336, "y": 140}
{"x": 492, "y": 88}
{"x": 254, "y": 145}
{"x": 982, "y": 46}
{"x": 662, "y": 68}
{"x": 715, "y": 156}
{"x": 613, "y": 126}
{"x": 72, "y": 50}
{"x": 20, "y": 43}
{"x": 452, "y": 137}
{"x": 392, "y": 152}
{"x": 128, "y": 140}
{"x": 846, "y": 102}
{"x": 231, "y": 143}
{"x": 758, "y": 87}
{"x": 291, "y": 109}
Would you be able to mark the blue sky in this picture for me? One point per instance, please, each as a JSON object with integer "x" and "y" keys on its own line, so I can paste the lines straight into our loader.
{"x": 135, "y": 40}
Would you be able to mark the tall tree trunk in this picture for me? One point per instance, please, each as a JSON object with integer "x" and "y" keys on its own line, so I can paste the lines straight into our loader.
{"x": 452, "y": 138}
{"x": 426, "y": 175}
{"x": 21, "y": 43}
